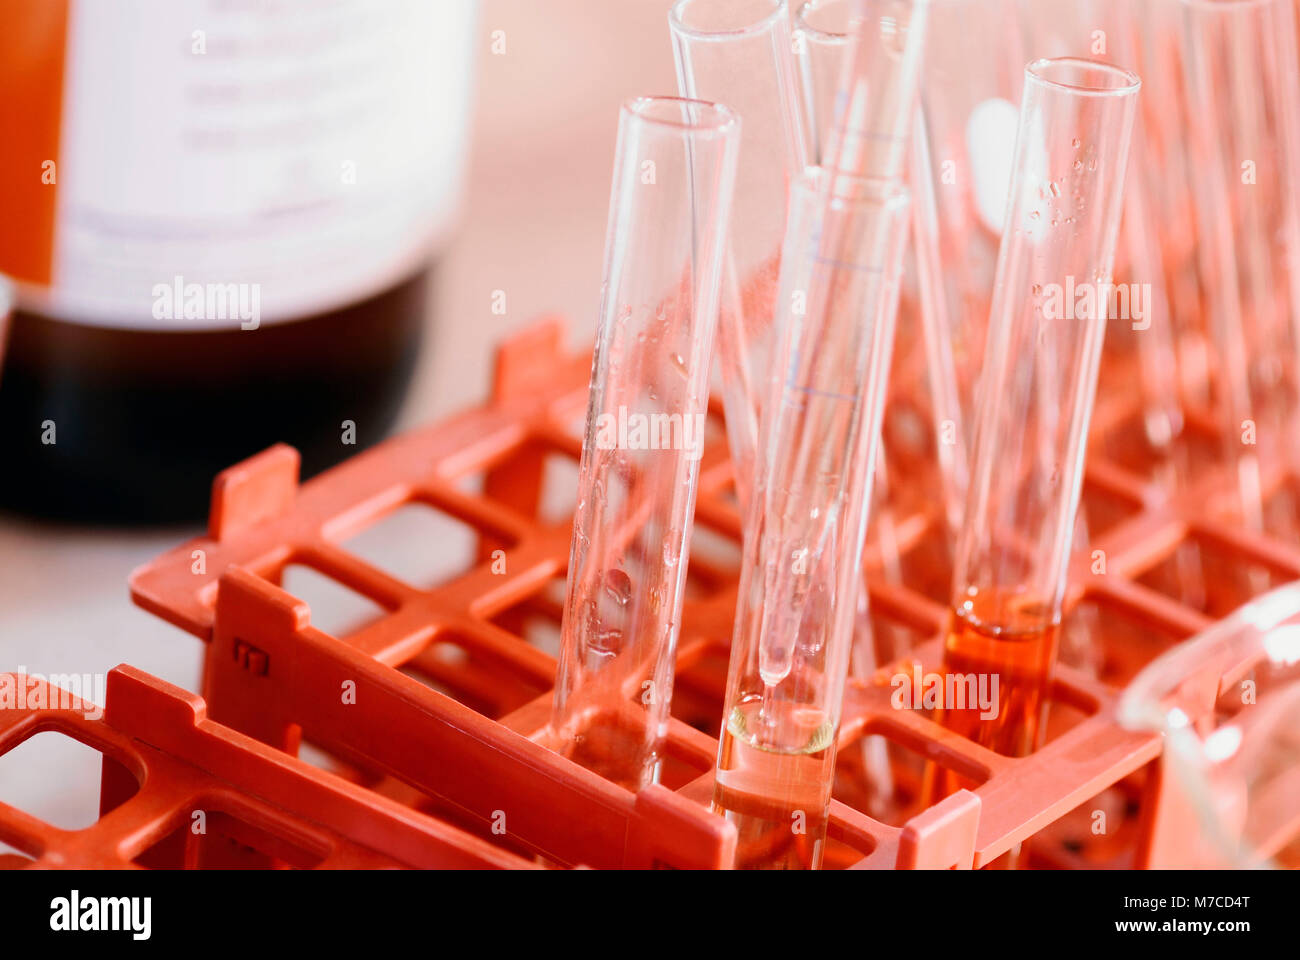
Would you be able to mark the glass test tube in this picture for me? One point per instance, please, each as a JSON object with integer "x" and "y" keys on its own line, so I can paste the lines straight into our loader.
{"x": 824, "y": 39}
{"x": 823, "y": 45}
{"x": 1242, "y": 78}
{"x": 674, "y": 173}
{"x": 737, "y": 52}
{"x": 859, "y": 65}
{"x": 803, "y": 540}
{"x": 956, "y": 174}
{"x": 1142, "y": 352}
{"x": 969, "y": 91}
{"x": 1140, "y": 355}
{"x": 825, "y": 32}
{"x": 878, "y": 88}
{"x": 801, "y": 575}
{"x": 1037, "y": 387}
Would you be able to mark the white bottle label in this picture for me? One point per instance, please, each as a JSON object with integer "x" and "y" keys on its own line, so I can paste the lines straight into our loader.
{"x": 310, "y": 152}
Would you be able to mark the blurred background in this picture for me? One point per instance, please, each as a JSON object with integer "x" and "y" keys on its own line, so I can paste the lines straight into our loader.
{"x": 532, "y": 225}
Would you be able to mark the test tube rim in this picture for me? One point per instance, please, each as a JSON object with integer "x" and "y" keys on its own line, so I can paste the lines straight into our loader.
{"x": 727, "y": 119}
{"x": 758, "y": 27}
{"x": 801, "y": 23}
{"x": 1034, "y": 74}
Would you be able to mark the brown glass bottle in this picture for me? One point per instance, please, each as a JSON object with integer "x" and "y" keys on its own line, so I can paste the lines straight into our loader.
{"x": 307, "y": 159}
{"x": 143, "y": 419}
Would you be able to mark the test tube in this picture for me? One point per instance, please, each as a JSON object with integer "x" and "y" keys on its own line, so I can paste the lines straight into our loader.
{"x": 959, "y": 166}
{"x": 801, "y": 570}
{"x": 1241, "y": 73}
{"x": 1142, "y": 342}
{"x": 860, "y": 63}
{"x": 824, "y": 41}
{"x": 1046, "y": 327}
{"x": 738, "y": 52}
{"x": 969, "y": 91}
{"x": 824, "y": 45}
{"x": 825, "y": 33}
{"x": 801, "y": 574}
{"x": 878, "y": 89}
{"x": 1140, "y": 357}
{"x": 674, "y": 174}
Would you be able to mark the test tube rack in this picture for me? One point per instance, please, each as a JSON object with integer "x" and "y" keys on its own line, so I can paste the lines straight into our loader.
{"x": 179, "y": 790}
{"x": 437, "y": 705}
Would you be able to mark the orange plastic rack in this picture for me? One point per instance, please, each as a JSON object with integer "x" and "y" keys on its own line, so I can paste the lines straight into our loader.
{"x": 165, "y": 761}
{"x": 464, "y": 747}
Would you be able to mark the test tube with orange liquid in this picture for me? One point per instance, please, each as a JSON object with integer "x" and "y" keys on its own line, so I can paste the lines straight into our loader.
{"x": 1046, "y": 328}
{"x": 819, "y": 436}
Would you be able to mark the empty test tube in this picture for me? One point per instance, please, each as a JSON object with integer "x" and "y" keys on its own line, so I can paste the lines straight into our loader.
{"x": 1046, "y": 325}
{"x": 738, "y": 52}
{"x": 801, "y": 570}
{"x": 674, "y": 174}
{"x": 824, "y": 46}
{"x": 878, "y": 89}
{"x": 969, "y": 91}
{"x": 1144, "y": 339}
